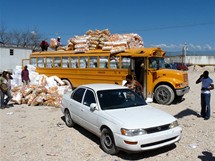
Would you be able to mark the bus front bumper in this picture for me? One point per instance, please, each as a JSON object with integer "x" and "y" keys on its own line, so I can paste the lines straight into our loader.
{"x": 181, "y": 92}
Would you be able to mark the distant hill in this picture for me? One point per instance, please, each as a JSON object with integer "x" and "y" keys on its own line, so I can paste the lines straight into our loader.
{"x": 191, "y": 53}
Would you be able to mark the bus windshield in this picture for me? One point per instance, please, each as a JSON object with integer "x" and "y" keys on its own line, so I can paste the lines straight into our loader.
{"x": 156, "y": 63}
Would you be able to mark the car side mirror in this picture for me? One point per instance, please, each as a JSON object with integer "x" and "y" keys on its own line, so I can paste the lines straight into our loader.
{"x": 93, "y": 106}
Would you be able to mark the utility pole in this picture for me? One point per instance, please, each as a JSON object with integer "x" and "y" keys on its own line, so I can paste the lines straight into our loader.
{"x": 184, "y": 50}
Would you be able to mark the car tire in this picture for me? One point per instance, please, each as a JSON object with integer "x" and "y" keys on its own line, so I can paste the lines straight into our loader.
{"x": 68, "y": 119}
{"x": 164, "y": 95}
{"x": 107, "y": 142}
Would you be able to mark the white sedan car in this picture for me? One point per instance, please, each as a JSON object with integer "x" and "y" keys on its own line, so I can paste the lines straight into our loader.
{"x": 120, "y": 118}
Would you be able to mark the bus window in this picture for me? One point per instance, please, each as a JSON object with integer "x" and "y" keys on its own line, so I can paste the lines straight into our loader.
{"x": 74, "y": 62}
{"x": 40, "y": 62}
{"x": 65, "y": 62}
{"x": 126, "y": 62}
{"x": 34, "y": 62}
{"x": 57, "y": 62}
{"x": 49, "y": 62}
{"x": 103, "y": 61}
{"x": 83, "y": 62}
{"x": 114, "y": 62}
{"x": 93, "y": 62}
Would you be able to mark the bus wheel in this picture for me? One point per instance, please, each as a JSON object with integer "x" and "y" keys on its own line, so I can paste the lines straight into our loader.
{"x": 164, "y": 94}
{"x": 67, "y": 83}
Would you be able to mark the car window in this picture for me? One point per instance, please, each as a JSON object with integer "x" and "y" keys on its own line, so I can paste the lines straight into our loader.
{"x": 78, "y": 94}
{"x": 119, "y": 98}
{"x": 89, "y": 98}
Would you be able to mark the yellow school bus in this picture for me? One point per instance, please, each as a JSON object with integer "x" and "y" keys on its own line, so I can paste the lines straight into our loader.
{"x": 97, "y": 66}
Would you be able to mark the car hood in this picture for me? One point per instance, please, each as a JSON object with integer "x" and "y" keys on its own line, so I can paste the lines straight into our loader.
{"x": 140, "y": 117}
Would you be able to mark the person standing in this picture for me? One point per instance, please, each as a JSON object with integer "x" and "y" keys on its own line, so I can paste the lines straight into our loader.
{"x": 207, "y": 85}
{"x": 58, "y": 42}
{"x": 25, "y": 76}
{"x": 44, "y": 45}
{"x": 134, "y": 85}
{"x": 5, "y": 89}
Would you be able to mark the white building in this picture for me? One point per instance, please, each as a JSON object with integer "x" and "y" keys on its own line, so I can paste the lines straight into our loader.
{"x": 10, "y": 57}
{"x": 197, "y": 60}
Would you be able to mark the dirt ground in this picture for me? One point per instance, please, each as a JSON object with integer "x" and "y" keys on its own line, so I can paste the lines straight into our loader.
{"x": 39, "y": 133}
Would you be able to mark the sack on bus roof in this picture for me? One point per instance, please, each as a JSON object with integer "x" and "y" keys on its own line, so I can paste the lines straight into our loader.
{"x": 53, "y": 43}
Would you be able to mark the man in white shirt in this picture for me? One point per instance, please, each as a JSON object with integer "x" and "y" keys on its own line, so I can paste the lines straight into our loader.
{"x": 207, "y": 85}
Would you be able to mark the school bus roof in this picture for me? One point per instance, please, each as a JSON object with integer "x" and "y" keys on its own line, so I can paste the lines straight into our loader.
{"x": 129, "y": 52}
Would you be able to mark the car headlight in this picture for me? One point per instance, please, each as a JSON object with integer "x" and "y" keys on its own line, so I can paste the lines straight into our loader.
{"x": 173, "y": 124}
{"x": 133, "y": 132}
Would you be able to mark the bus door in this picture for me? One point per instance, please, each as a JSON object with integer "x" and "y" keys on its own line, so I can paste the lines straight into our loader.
{"x": 140, "y": 72}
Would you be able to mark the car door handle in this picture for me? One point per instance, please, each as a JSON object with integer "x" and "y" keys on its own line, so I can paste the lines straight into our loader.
{"x": 82, "y": 109}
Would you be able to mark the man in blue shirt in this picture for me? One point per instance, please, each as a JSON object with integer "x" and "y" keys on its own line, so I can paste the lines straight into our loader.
{"x": 207, "y": 85}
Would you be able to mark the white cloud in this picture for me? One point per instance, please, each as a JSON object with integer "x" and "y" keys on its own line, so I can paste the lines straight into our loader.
{"x": 177, "y": 47}
{"x": 208, "y": 47}
{"x": 171, "y": 46}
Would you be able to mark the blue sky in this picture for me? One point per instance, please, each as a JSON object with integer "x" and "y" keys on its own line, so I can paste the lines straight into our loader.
{"x": 165, "y": 23}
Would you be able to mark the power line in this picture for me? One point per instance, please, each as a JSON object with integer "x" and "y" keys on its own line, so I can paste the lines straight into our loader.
{"x": 175, "y": 26}
{"x": 150, "y": 28}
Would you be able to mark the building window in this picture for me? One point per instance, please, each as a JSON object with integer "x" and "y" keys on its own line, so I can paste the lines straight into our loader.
{"x": 11, "y": 51}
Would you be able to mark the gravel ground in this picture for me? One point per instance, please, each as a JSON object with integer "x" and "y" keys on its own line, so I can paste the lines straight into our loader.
{"x": 40, "y": 134}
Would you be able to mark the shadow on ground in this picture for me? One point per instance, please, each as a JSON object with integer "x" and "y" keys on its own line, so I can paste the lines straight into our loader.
{"x": 206, "y": 156}
{"x": 187, "y": 112}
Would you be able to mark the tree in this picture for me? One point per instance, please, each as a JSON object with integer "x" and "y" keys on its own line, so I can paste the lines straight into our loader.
{"x": 26, "y": 39}
{"x": 4, "y": 35}
{"x": 35, "y": 38}
{"x": 16, "y": 36}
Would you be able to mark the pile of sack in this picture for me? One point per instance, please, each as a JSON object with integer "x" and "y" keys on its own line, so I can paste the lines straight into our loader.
{"x": 90, "y": 41}
{"x": 80, "y": 44}
{"x": 42, "y": 90}
{"x": 34, "y": 95}
{"x": 102, "y": 39}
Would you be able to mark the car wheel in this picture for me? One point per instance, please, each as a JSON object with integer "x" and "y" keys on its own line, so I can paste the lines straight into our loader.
{"x": 107, "y": 142}
{"x": 164, "y": 94}
{"x": 68, "y": 120}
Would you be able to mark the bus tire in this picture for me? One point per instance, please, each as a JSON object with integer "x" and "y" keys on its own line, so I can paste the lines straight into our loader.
{"x": 67, "y": 82}
{"x": 164, "y": 95}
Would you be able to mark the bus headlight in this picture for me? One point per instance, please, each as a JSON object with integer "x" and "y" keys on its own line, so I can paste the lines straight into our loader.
{"x": 179, "y": 85}
{"x": 133, "y": 132}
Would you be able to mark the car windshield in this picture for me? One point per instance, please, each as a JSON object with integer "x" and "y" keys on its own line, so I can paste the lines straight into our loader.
{"x": 119, "y": 98}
